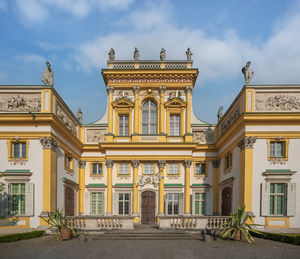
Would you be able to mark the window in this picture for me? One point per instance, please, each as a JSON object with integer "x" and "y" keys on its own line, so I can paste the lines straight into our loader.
{"x": 174, "y": 124}
{"x": 200, "y": 203}
{"x": 148, "y": 168}
{"x": 228, "y": 161}
{"x": 277, "y": 149}
{"x": 123, "y": 125}
{"x": 68, "y": 162}
{"x": 200, "y": 169}
{"x": 97, "y": 169}
{"x": 173, "y": 203}
{"x": 18, "y": 150}
{"x": 173, "y": 169}
{"x": 17, "y": 199}
{"x": 124, "y": 203}
{"x": 96, "y": 203}
{"x": 149, "y": 117}
{"x": 277, "y": 199}
{"x": 124, "y": 168}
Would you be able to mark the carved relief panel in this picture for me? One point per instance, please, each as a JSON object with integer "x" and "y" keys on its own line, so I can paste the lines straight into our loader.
{"x": 23, "y": 102}
{"x": 95, "y": 135}
{"x": 202, "y": 135}
{"x": 65, "y": 118}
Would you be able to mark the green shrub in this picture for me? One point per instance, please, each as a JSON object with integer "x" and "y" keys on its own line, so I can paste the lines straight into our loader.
{"x": 293, "y": 239}
{"x": 21, "y": 236}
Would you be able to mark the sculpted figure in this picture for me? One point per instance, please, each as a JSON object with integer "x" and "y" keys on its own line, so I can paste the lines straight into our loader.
{"x": 162, "y": 54}
{"x": 79, "y": 115}
{"x": 47, "y": 76}
{"x": 248, "y": 74}
{"x": 136, "y": 54}
{"x": 188, "y": 54}
{"x": 220, "y": 113}
{"x": 111, "y": 54}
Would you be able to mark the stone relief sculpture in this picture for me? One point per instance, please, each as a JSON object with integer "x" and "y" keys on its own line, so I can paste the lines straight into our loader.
{"x": 96, "y": 135}
{"x": 64, "y": 118}
{"x": 248, "y": 74}
{"x": 111, "y": 54}
{"x": 136, "y": 54}
{"x": 230, "y": 118}
{"x": 47, "y": 76}
{"x": 220, "y": 113}
{"x": 20, "y": 102}
{"x": 162, "y": 54}
{"x": 79, "y": 115}
{"x": 175, "y": 94}
{"x": 188, "y": 54}
{"x": 202, "y": 135}
{"x": 142, "y": 180}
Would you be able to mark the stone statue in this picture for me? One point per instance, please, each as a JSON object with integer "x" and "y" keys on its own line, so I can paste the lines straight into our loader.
{"x": 188, "y": 54}
{"x": 162, "y": 54}
{"x": 79, "y": 115}
{"x": 136, "y": 54}
{"x": 111, "y": 54}
{"x": 248, "y": 74}
{"x": 220, "y": 113}
{"x": 47, "y": 76}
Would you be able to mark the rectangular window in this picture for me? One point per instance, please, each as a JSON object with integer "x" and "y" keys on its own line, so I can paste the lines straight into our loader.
{"x": 96, "y": 203}
{"x": 200, "y": 203}
{"x": 174, "y": 125}
{"x": 277, "y": 199}
{"x": 228, "y": 161}
{"x": 173, "y": 169}
{"x": 123, "y": 125}
{"x": 124, "y": 168}
{"x": 277, "y": 148}
{"x": 17, "y": 197}
{"x": 68, "y": 162}
{"x": 148, "y": 168}
{"x": 97, "y": 169}
{"x": 19, "y": 150}
{"x": 124, "y": 202}
{"x": 200, "y": 169}
{"x": 173, "y": 203}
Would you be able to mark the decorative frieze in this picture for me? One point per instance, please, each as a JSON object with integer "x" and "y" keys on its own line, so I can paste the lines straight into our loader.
{"x": 135, "y": 163}
{"x": 161, "y": 163}
{"x": 246, "y": 142}
{"x": 142, "y": 180}
{"x": 48, "y": 143}
{"x": 65, "y": 118}
{"x": 187, "y": 163}
{"x": 231, "y": 117}
{"x": 20, "y": 102}
{"x": 202, "y": 135}
{"x": 109, "y": 163}
{"x": 96, "y": 135}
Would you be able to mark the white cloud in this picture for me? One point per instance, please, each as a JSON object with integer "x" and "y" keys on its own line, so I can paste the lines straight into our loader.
{"x": 30, "y": 58}
{"x": 31, "y": 11}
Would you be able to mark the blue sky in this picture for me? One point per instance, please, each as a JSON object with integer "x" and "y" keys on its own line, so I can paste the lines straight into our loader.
{"x": 76, "y": 35}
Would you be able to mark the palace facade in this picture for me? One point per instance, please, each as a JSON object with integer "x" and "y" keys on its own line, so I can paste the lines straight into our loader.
{"x": 149, "y": 159}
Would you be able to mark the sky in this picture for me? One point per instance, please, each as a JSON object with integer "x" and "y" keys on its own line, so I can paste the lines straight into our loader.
{"x": 76, "y": 35}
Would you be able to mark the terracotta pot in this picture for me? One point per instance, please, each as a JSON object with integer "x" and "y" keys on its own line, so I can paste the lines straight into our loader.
{"x": 238, "y": 236}
{"x": 66, "y": 234}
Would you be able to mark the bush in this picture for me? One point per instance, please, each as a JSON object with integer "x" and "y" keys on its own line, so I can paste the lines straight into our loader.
{"x": 292, "y": 239}
{"x": 21, "y": 236}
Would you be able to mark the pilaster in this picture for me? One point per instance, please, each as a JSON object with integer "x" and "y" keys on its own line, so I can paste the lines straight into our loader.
{"x": 188, "y": 135}
{"x": 136, "y": 91}
{"x": 135, "y": 202}
{"x": 110, "y": 91}
{"x": 81, "y": 182}
{"x": 162, "y": 90}
{"x": 109, "y": 164}
{"x": 187, "y": 188}
{"x": 161, "y": 165}
{"x": 216, "y": 186}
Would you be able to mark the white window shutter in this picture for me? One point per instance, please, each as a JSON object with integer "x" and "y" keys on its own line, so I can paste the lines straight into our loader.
{"x": 87, "y": 203}
{"x": 103, "y": 203}
{"x": 209, "y": 199}
{"x": 115, "y": 203}
{"x": 181, "y": 204}
{"x": 29, "y": 202}
{"x": 130, "y": 209}
{"x": 4, "y": 204}
{"x": 265, "y": 199}
{"x": 291, "y": 199}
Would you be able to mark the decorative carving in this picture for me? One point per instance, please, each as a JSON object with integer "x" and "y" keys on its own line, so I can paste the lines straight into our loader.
{"x": 162, "y": 88}
{"x": 136, "y": 89}
{"x": 232, "y": 116}
{"x": 220, "y": 113}
{"x": 79, "y": 115}
{"x": 47, "y": 76}
{"x": 202, "y": 135}
{"x": 109, "y": 163}
{"x": 187, "y": 163}
{"x": 48, "y": 143}
{"x": 111, "y": 54}
{"x": 175, "y": 94}
{"x": 188, "y": 54}
{"x": 135, "y": 163}
{"x": 162, "y": 54}
{"x": 277, "y": 102}
{"x": 20, "y": 103}
{"x": 248, "y": 74}
{"x": 136, "y": 54}
{"x": 65, "y": 119}
{"x": 142, "y": 180}
{"x": 277, "y": 161}
{"x": 96, "y": 135}
{"x": 110, "y": 89}
{"x": 216, "y": 163}
{"x": 189, "y": 88}
{"x": 81, "y": 164}
{"x": 161, "y": 163}
{"x": 246, "y": 142}
{"x": 123, "y": 94}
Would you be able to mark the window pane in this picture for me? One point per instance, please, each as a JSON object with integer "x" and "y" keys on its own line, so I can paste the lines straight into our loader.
{"x": 120, "y": 207}
{"x": 272, "y": 153}
{"x": 279, "y": 149}
{"x": 22, "y": 201}
{"x": 196, "y": 207}
{"x": 272, "y": 205}
{"x": 203, "y": 168}
{"x": 279, "y": 205}
{"x": 120, "y": 196}
{"x": 16, "y": 150}
{"x": 99, "y": 207}
{"x": 176, "y": 207}
{"x": 170, "y": 208}
{"x": 126, "y": 208}
{"x": 170, "y": 196}
{"x": 176, "y": 196}
{"x": 23, "y": 150}
{"x": 15, "y": 204}
{"x": 202, "y": 207}
{"x": 127, "y": 196}
{"x": 15, "y": 188}
{"x": 197, "y": 195}
{"x": 197, "y": 169}
{"x": 100, "y": 168}
{"x": 93, "y": 207}
{"x": 272, "y": 188}
{"x": 280, "y": 188}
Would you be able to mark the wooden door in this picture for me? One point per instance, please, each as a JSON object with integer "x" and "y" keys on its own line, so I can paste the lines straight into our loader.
{"x": 226, "y": 201}
{"x": 69, "y": 201}
{"x": 148, "y": 207}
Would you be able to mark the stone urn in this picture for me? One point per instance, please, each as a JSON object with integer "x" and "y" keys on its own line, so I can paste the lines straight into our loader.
{"x": 66, "y": 233}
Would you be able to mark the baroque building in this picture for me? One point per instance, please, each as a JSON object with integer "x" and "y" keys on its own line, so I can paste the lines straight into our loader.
{"x": 149, "y": 159}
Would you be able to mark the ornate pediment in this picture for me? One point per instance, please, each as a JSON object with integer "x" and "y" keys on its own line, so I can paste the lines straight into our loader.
{"x": 175, "y": 103}
{"x": 123, "y": 102}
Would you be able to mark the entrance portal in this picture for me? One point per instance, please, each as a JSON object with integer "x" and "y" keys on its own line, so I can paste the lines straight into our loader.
{"x": 226, "y": 201}
{"x": 69, "y": 201}
{"x": 148, "y": 207}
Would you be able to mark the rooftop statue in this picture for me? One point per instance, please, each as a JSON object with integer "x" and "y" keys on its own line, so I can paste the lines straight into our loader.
{"x": 111, "y": 54}
{"x": 136, "y": 54}
{"x": 47, "y": 76}
{"x": 189, "y": 54}
{"x": 220, "y": 113}
{"x": 248, "y": 74}
{"x": 79, "y": 115}
{"x": 162, "y": 54}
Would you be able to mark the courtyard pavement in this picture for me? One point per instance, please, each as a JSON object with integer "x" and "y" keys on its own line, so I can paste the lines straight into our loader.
{"x": 49, "y": 247}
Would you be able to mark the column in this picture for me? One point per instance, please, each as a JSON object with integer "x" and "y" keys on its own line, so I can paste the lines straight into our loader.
{"x": 162, "y": 90}
{"x": 109, "y": 164}
{"x": 161, "y": 165}
{"x": 81, "y": 182}
{"x": 136, "y": 91}
{"x": 187, "y": 187}
{"x": 110, "y": 91}
{"x": 246, "y": 173}
{"x": 188, "y": 134}
{"x": 215, "y": 187}
{"x": 49, "y": 174}
{"x": 135, "y": 202}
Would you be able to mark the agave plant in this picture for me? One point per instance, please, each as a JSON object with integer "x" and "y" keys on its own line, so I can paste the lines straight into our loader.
{"x": 238, "y": 224}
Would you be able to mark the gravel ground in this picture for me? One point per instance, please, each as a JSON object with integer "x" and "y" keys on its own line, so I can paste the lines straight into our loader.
{"x": 139, "y": 249}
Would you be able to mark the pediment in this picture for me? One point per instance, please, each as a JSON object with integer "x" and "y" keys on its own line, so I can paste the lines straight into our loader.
{"x": 123, "y": 102}
{"x": 175, "y": 102}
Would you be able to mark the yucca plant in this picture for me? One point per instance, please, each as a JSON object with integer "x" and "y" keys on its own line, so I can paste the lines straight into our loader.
{"x": 238, "y": 224}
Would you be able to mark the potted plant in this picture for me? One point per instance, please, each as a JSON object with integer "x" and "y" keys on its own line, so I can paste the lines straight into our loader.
{"x": 237, "y": 227}
{"x": 59, "y": 223}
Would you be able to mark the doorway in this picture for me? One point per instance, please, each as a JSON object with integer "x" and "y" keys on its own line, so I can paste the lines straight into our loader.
{"x": 226, "y": 201}
{"x": 69, "y": 201}
{"x": 148, "y": 207}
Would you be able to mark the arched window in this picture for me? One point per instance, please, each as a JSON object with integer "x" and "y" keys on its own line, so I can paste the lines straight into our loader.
{"x": 149, "y": 117}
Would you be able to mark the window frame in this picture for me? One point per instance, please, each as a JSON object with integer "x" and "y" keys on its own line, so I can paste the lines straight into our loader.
{"x": 11, "y": 199}
{"x": 228, "y": 158}
{"x": 97, "y": 205}
{"x": 68, "y": 162}
{"x": 11, "y": 148}
{"x": 172, "y": 134}
{"x": 92, "y": 164}
{"x": 119, "y": 169}
{"x": 201, "y": 203}
{"x": 172, "y": 201}
{"x": 124, "y": 202}
{"x": 144, "y": 165}
{"x": 168, "y": 168}
{"x": 123, "y": 133}
{"x": 275, "y": 194}
{"x": 149, "y": 117}
{"x": 201, "y": 163}
{"x": 285, "y": 146}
